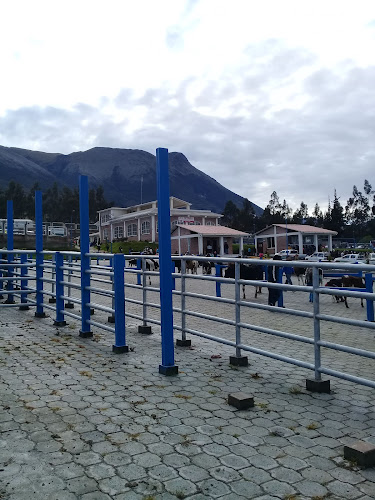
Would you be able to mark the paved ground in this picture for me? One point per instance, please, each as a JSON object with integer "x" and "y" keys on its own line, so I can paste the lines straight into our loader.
{"x": 77, "y": 421}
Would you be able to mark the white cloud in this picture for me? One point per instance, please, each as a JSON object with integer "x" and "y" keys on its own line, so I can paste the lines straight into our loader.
{"x": 262, "y": 96}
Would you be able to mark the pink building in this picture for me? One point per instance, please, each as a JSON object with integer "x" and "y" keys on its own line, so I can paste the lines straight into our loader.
{"x": 193, "y": 231}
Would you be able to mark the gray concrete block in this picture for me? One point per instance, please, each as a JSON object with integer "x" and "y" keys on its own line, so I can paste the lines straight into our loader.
{"x": 240, "y": 400}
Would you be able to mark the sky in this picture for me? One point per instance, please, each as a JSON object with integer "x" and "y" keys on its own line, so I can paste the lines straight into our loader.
{"x": 262, "y": 96}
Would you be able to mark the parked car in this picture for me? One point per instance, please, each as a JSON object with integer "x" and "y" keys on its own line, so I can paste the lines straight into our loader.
{"x": 371, "y": 259}
{"x": 352, "y": 258}
{"x": 290, "y": 253}
{"x": 318, "y": 256}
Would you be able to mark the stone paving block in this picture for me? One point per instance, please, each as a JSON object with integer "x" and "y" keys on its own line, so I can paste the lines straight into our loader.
{"x": 361, "y": 452}
{"x": 241, "y": 401}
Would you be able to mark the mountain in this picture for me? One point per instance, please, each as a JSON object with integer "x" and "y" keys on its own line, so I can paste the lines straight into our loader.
{"x": 119, "y": 171}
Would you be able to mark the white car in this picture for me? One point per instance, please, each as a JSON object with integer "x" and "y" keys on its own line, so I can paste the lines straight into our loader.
{"x": 318, "y": 256}
{"x": 284, "y": 254}
{"x": 371, "y": 259}
{"x": 352, "y": 258}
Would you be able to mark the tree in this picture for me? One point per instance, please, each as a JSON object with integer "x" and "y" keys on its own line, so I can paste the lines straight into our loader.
{"x": 246, "y": 218}
{"x": 335, "y": 220}
{"x": 300, "y": 216}
{"x": 357, "y": 211}
{"x": 231, "y": 215}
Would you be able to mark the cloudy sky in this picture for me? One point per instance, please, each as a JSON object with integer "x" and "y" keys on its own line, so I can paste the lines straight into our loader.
{"x": 261, "y": 95}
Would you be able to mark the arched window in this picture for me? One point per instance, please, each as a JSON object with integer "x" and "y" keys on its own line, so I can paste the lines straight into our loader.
{"x": 145, "y": 227}
{"x": 132, "y": 230}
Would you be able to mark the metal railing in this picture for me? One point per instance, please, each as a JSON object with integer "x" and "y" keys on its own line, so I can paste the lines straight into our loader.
{"x": 111, "y": 286}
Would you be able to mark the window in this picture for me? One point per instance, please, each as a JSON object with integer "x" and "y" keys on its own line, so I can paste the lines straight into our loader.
{"x": 119, "y": 232}
{"x": 132, "y": 230}
{"x": 209, "y": 223}
{"x": 270, "y": 242}
{"x": 106, "y": 218}
{"x": 145, "y": 227}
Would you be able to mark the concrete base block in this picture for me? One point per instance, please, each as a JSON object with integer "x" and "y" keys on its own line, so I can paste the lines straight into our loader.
{"x": 40, "y": 315}
{"x": 92, "y": 311}
{"x": 111, "y": 319}
{"x": 120, "y": 349}
{"x": 239, "y": 360}
{"x": 59, "y": 323}
{"x": 168, "y": 370}
{"x": 24, "y": 308}
{"x": 85, "y": 335}
{"x": 69, "y": 305}
{"x": 318, "y": 385}
{"x": 361, "y": 452}
{"x": 183, "y": 343}
{"x": 9, "y": 301}
{"x": 240, "y": 400}
{"x": 145, "y": 329}
{"x": 52, "y": 300}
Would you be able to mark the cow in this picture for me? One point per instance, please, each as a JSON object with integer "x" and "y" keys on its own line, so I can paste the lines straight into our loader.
{"x": 337, "y": 283}
{"x": 247, "y": 272}
{"x": 355, "y": 282}
{"x": 151, "y": 265}
{"x": 192, "y": 266}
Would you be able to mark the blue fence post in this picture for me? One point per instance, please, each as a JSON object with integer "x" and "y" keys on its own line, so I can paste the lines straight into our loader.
{"x": 139, "y": 267}
{"x": 369, "y": 303}
{"x": 10, "y": 248}
{"x": 24, "y": 283}
{"x": 69, "y": 305}
{"x": 280, "y": 301}
{"x": 119, "y": 286}
{"x": 2, "y": 273}
{"x": 59, "y": 262}
{"x": 167, "y": 366}
{"x": 218, "y": 283}
{"x": 85, "y": 331}
{"x": 39, "y": 255}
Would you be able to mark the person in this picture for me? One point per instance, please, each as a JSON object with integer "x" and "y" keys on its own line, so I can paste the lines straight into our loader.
{"x": 120, "y": 249}
{"x": 288, "y": 271}
{"x": 225, "y": 247}
{"x": 107, "y": 246}
{"x": 273, "y": 293}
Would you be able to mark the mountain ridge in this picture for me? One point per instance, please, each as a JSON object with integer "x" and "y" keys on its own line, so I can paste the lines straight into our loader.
{"x": 119, "y": 171}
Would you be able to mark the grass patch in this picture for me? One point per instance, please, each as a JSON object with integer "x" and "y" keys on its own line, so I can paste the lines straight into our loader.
{"x": 182, "y": 396}
{"x": 312, "y": 426}
{"x": 295, "y": 390}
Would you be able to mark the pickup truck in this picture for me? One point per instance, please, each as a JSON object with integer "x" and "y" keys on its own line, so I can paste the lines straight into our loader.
{"x": 352, "y": 258}
{"x": 318, "y": 257}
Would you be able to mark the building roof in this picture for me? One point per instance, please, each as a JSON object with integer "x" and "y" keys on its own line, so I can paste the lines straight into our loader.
{"x": 213, "y": 230}
{"x": 301, "y": 228}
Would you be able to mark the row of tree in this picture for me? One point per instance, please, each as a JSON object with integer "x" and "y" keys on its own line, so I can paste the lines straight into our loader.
{"x": 356, "y": 219}
{"x": 59, "y": 204}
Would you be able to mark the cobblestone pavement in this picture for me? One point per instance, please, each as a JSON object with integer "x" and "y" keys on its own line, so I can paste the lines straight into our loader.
{"x": 77, "y": 421}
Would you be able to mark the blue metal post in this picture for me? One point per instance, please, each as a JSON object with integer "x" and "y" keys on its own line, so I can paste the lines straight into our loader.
{"x": 59, "y": 262}
{"x": 139, "y": 267}
{"x": 85, "y": 331}
{"x": 280, "y": 301}
{"x": 218, "y": 284}
{"x": 2, "y": 273}
{"x": 10, "y": 248}
{"x": 24, "y": 282}
{"x": 369, "y": 303}
{"x": 167, "y": 366}
{"x": 119, "y": 286}
{"x": 39, "y": 255}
